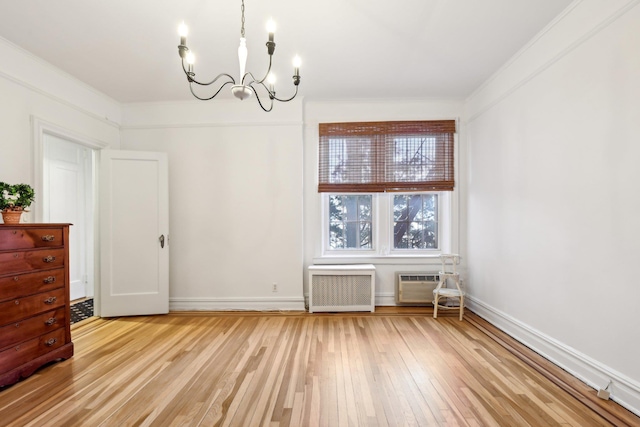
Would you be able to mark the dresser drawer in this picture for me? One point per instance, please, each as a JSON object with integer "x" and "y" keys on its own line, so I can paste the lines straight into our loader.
{"x": 25, "y": 238}
{"x": 32, "y": 327}
{"x": 22, "y": 285}
{"x": 23, "y": 261}
{"x": 18, "y": 354}
{"x": 21, "y": 308}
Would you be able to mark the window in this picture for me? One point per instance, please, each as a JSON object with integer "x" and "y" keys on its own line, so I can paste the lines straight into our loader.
{"x": 382, "y": 224}
{"x": 350, "y": 222}
{"x": 388, "y": 185}
{"x": 415, "y": 221}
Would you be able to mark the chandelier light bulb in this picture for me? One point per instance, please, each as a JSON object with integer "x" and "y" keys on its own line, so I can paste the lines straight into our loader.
{"x": 297, "y": 61}
{"x": 183, "y": 30}
{"x": 271, "y": 26}
{"x": 191, "y": 58}
{"x": 271, "y": 79}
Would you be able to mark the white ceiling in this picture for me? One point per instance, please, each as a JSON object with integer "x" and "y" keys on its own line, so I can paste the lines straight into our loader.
{"x": 350, "y": 48}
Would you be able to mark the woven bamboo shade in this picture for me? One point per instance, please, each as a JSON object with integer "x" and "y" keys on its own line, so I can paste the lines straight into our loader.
{"x": 386, "y": 156}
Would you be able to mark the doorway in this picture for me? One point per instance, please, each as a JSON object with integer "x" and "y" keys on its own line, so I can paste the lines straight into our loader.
{"x": 68, "y": 197}
{"x": 65, "y": 182}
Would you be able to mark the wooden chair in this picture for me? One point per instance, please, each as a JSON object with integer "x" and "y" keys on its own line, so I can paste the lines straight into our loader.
{"x": 448, "y": 275}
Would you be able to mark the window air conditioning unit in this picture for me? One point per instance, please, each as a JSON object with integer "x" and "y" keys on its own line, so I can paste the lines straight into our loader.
{"x": 342, "y": 288}
{"x": 415, "y": 288}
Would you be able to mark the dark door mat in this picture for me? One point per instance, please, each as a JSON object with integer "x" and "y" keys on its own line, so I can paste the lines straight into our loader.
{"x": 81, "y": 310}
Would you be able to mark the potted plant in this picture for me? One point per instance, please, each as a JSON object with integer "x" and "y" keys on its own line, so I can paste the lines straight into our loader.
{"x": 14, "y": 199}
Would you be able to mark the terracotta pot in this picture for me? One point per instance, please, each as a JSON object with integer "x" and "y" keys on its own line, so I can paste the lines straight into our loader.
{"x": 11, "y": 217}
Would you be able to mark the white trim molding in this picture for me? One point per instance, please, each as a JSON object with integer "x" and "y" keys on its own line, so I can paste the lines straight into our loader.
{"x": 40, "y": 127}
{"x": 237, "y": 304}
{"x": 512, "y": 71}
{"x": 41, "y": 77}
{"x": 624, "y": 390}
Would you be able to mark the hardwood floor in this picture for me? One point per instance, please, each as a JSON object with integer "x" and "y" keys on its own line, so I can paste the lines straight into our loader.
{"x": 389, "y": 368}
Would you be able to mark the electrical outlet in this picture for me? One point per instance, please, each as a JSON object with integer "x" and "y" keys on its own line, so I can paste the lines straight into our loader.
{"x": 274, "y": 288}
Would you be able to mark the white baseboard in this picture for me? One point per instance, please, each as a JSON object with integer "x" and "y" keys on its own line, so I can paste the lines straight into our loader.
{"x": 237, "y": 304}
{"x": 386, "y": 299}
{"x": 624, "y": 390}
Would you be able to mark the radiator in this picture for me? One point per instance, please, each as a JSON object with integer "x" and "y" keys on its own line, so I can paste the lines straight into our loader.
{"x": 415, "y": 288}
{"x": 342, "y": 288}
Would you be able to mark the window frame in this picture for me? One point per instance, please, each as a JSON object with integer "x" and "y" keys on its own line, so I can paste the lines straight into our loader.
{"x": 326, "y": 228}
{"x": 328, "y": 224}
{"x": 391, "y": 224}
{"x": 382, "y": 228}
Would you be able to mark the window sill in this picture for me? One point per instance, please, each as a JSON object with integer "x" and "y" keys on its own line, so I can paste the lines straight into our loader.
{"x": 378, "y": 259}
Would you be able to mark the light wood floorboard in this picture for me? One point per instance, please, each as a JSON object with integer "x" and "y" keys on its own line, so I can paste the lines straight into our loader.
{"x": 391, "y": 368}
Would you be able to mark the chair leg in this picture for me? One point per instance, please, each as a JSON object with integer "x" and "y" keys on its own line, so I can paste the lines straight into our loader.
{"x": 461, "y": 306}
{"x": 435, "y": 307}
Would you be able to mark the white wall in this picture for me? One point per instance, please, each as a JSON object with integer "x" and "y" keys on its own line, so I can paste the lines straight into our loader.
{"x": 31, "y": 88}
{"x": 553, "y": 195}
{"x": 354, "y": 111}
{"x": 235, "y": 188}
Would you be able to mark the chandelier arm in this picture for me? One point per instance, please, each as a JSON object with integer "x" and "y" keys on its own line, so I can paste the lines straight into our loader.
{"x": 212, "y": 96}
{"x": 267, "y": 73}
{"x": 192, "y": 80}
{"x": 260, "y": 101}
{"x": 190, "y": 76}
{"x": 289, "y": 99}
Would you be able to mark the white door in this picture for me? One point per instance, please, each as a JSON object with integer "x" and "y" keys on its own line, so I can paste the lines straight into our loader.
{"x": 68, "y": 198}
{"x": 134, "y": 234}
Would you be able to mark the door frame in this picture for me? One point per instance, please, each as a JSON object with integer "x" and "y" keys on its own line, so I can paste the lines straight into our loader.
{"x": 40, "y": 127}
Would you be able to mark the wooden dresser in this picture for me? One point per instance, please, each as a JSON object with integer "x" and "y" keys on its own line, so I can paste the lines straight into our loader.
{"x": 34, "y": 298}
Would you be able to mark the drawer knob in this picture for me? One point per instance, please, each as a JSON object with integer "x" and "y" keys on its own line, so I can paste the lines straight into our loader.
{"x": 18, "y": 348}
{"x": 17, "y": 302}
{"x": 51, "y": 341}
{"x": 50, "y": 321}
{"x": 16, "y": 255}
{"x": 50, "y": 300}
{"x": 48, "y": 238}
{"x": 15, "y": 279}
{"x": 49, "y": 279}
{"x": 49, "y": 258}
{"x": 18, "y": 325}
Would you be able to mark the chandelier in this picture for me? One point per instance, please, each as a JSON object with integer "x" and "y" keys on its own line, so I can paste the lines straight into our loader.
{"x": 247, "y": 83}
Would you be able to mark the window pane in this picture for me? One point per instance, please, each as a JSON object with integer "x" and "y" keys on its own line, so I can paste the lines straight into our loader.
{"x": 415, "y": 223}
{"x": 351, "y": 207}
{"x": 336, "y": 235}
{"x": 350, "y": 222}
{"x": 365, "y": 236}
{"x": 365, "y": 208}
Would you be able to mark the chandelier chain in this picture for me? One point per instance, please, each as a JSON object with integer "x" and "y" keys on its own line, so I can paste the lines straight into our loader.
{"x": 242, "y": 27}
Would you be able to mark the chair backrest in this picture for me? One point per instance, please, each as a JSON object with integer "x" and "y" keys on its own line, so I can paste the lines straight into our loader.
{"x": 449, "y": 263}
